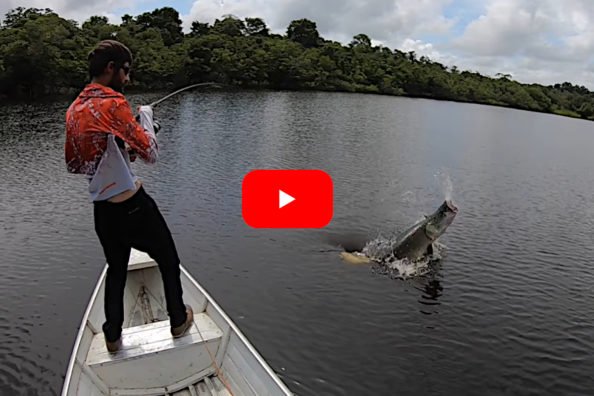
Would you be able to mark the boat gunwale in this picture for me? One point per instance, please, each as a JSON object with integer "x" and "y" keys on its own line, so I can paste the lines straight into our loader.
{"x": 81, "y": 330}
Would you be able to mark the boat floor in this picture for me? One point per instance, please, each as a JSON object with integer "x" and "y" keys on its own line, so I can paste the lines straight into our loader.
{"x": 209, "y": 386}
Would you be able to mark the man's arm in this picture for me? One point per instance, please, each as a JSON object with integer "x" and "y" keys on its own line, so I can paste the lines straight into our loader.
{"x": 139, "y": 136}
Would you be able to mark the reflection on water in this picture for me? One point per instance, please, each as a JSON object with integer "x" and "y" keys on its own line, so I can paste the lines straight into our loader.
{"x": 508, "y": 310}
{"x": 431, "y": 290}
{"x": 427, "y": 282}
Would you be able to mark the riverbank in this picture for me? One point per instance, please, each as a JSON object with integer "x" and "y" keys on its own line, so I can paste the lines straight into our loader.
{"x": 70, "y": 95}
{"x": 244, "y": 54}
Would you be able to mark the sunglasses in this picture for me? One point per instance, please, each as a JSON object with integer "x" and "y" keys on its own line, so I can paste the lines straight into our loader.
{"x": 116, "y": 67}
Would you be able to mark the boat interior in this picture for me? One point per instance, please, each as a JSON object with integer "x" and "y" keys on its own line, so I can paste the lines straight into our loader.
{"x": 210, "y": 359}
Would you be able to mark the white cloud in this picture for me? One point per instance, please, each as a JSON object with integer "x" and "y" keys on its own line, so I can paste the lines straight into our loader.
{"x": 504, "y": 30}
{"x": 421, "y": 48}
{"x": 542, "y": 41}
{"x": 388, "y": 21}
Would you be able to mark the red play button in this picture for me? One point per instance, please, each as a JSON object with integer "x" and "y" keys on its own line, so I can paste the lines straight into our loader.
{"x": 287, "y": 199}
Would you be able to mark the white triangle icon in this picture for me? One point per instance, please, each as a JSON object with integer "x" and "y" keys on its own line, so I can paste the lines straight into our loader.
{"x": 284, "y": 199}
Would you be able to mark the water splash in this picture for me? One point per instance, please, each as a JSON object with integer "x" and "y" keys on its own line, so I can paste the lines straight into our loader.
{"x": 445, "y": 183}
{"x": 406, "y": 269}
{"x": 380, "y": 250}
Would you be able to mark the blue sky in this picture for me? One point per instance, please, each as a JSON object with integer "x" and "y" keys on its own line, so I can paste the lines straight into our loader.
{"x": 464, "y": 12}
{"x": 182, "y": 6}
{"x": 543, "y": 41}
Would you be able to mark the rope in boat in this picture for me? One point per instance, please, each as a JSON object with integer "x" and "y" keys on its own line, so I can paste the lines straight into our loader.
{"x": 218, "y": 370}
{"x": 214, "y": 363}
{"x": 144, "y": 291}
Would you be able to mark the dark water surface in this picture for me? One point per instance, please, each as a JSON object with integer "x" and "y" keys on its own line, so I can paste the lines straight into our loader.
{"x": 509, "y": 312}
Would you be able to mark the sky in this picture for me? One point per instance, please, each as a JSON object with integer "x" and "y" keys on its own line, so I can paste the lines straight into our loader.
{"x": 536, "y": 41}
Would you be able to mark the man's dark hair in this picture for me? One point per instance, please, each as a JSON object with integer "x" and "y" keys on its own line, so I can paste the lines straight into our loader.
{"x": 107, "y": 51}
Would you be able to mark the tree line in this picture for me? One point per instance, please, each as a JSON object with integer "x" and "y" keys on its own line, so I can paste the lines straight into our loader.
{"x": 42, "y": 54}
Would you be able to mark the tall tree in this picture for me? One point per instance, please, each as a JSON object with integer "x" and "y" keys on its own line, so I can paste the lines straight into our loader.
{"x": 19, "y": 16}
{"x": 98, "y": 28}
{"x": 361, "y": 40}
{"x": 256, "y": 27}
{"x": 230, "y": 26}
{"x": 167, "y": 20}
{"x": 199, "y": 29}
{"x": 304, "y": 32}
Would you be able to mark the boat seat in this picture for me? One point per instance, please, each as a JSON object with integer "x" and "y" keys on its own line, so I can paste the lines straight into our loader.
{"x": 150, "y": 356}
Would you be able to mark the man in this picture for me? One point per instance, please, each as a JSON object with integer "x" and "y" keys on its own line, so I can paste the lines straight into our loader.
{"x": 101, "y": 133}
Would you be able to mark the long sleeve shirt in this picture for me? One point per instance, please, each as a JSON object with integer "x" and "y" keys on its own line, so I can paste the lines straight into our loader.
{"x": 99, "y": 123}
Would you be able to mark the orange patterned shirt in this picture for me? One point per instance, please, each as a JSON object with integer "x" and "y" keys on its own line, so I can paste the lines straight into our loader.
{"x": 97, "y": 112}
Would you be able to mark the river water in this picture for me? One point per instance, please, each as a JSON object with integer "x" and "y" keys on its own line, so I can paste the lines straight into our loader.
{"x": 508, "y": 311}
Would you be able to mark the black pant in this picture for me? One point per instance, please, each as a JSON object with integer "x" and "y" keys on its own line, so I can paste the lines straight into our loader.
{"x": 136, "y": 223}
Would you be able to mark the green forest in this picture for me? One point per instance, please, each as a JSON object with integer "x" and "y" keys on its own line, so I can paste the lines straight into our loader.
{"x": 44, "y": 54}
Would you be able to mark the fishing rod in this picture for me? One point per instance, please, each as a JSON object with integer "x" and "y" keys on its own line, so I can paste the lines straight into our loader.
{"x": 157, "y": 125}
{"x": 182, "y": 90}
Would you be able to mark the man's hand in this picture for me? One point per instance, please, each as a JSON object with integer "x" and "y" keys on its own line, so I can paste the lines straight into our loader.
{"x": 156, "y": 124}
{"x": 156, "y": 128}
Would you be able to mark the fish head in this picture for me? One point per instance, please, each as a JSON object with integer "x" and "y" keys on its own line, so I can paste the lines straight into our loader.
{"x": 439, "y": 221}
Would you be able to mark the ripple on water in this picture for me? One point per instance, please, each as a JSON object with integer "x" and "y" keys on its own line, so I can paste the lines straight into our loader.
{"x": 508, "y": 310}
